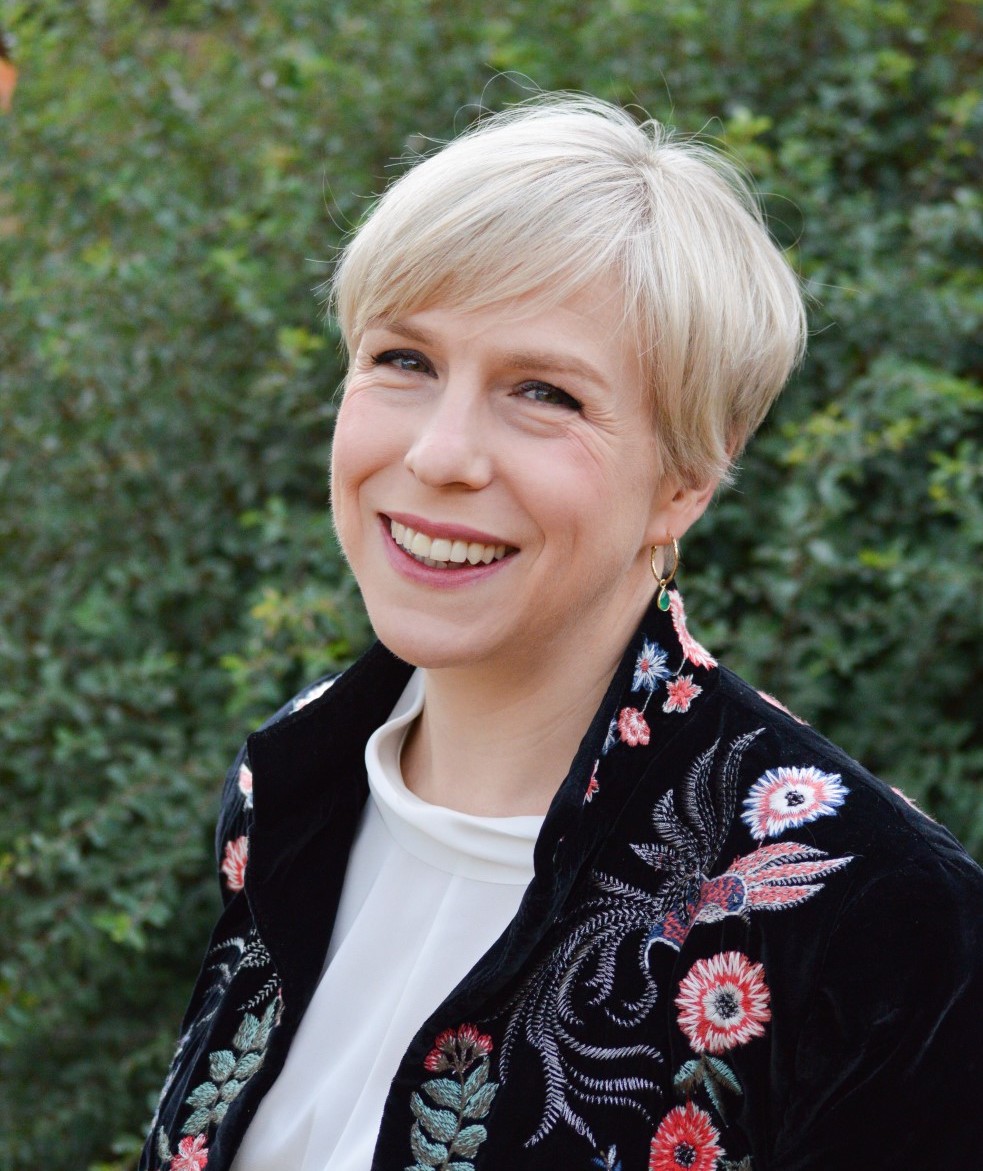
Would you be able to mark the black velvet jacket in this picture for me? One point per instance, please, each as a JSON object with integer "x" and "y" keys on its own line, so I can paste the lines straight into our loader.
{"x": 739, "y": 949}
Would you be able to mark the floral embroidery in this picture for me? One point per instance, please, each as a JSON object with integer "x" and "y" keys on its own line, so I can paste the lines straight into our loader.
{"x": 650, "y": 667}
{"x": 446, "y": 1133}
{"x": 682, "y": 692}
{"x": 592, "y": 785}
{"x": 230, "y": 1069}
{"x": 234, "y": 863}
{"x": 192, "y": 1154}
{"x": 696, "y": 654}
{"x": 723, "y": 1002}
{"x": 608, "y": 1160}
{"x": 784, "y": 798}
{"x": 686, "y": 1138}
{"x": 245, "y": 783}
{"x": 580, "y": 975}
{"x": 632, "y": 726}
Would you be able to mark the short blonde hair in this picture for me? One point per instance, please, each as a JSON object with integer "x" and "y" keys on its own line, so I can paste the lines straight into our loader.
{"x": 551, "y": 196}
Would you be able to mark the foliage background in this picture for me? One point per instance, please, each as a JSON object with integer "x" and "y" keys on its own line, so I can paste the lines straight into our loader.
{"x": 167, "y": 173}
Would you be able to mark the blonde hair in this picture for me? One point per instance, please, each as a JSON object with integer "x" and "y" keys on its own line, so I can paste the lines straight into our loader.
{"x": 551, "y": 196}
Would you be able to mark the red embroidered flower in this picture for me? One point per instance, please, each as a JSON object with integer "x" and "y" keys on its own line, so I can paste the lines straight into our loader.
{"x": 592, "y": 785}
{"x": 682, "y": 692}
{"x": 686, "y": 1138}
{"x": 632, "y": 727}
{"x": 457, "y": 1049}
{"x": 787, "y": 797}
{"x": 245, "y": 782}
{"x": 234, "y": 863}
{"x": 192, "y": 1154}
{"x": 698, "y": 655}
{"x": 723, "y": 1002}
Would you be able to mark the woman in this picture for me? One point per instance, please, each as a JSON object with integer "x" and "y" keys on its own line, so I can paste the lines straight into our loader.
{"x": 536, "y": 883}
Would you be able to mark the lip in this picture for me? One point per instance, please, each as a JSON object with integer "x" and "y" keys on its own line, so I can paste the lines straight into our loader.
{"x": 452, "y": 532}
{"x": 408, "y": 566}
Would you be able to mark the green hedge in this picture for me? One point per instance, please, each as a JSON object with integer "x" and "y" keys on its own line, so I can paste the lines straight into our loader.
{"x": 174, "y": 179}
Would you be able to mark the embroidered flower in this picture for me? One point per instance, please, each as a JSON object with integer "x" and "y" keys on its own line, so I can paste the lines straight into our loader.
{"x": 612, "y": 736}
{"x": 682, "y": 692}
{"x": 698, "y": 655}
{"x": 723, "y": 1002}
{"x": 784, "y": 798}
{"x": 650, "y": 667}
{"x": 245, "y": 783}
{"x": 192, "y": 1154}
{"x": 457, "y": 1049}
{"x": 592, "y": 785}
{"x": 632, "y": 727}
{"x": 686, "y": 1138}
{"x": 234, "y": 863}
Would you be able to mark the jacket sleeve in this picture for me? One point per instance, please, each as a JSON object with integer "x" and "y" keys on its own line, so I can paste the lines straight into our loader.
{"x": 889, "y": 1062}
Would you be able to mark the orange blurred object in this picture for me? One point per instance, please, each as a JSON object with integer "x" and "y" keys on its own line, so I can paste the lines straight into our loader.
{"x": 8, "y": 82}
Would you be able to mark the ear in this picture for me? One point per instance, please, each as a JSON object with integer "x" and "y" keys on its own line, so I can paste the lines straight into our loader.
{"x": 677, "y": 508}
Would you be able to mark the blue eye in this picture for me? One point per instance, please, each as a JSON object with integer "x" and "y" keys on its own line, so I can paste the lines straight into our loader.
{"x": 545, "y": 392}
{"x": 403, "y": 360}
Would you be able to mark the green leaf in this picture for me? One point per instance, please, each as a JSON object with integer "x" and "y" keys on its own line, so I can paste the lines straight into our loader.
{"x": 468, "y": 1140}
{"x": 221, "y": 1064}
{"x": 445, "y": 1092}
{"x": 424, "y": 1151}
{"x": 478, "y": 1105}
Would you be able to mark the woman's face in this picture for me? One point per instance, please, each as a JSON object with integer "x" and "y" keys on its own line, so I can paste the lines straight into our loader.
{"x": 496, "y": 484}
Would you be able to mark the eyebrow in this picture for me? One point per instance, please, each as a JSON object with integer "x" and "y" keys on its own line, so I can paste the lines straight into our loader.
{"x": 514, "y": 359}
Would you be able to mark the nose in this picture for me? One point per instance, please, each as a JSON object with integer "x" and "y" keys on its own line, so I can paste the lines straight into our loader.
{"x": 451, "y": 444}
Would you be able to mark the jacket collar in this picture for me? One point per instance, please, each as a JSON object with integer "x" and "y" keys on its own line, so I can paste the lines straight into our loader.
{"x": 310, "y": 786}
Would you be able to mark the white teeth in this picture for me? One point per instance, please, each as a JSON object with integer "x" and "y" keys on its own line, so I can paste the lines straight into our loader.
{"x": 440, "y": 552}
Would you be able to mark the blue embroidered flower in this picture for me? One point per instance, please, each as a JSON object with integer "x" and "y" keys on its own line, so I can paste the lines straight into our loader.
{"x": 783, "y": 798}
{"x": 650, "y": 667}
{"x": 612, "y": 737}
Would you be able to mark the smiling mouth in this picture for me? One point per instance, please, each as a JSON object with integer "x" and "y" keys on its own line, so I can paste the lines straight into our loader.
{"x": 442, "y": 552}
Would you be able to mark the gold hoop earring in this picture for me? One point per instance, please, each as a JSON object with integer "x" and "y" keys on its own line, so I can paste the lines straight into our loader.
{"x": 662, "y": 598}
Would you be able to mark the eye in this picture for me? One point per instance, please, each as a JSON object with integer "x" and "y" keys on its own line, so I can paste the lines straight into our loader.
{"x": 545, "y": 392}
{"x": 409, "y": 360}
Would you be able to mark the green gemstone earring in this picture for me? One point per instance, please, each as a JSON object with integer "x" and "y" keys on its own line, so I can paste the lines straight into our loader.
{"x": 662, "y": 598}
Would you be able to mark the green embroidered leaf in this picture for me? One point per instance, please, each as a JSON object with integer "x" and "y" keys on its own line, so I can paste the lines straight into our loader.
{"x": 262, "y": 1037}
{"x": 247, "y": 1065}
{"x": 469, "y": 1140}
{"x": 688, "y": 1077}
{"x": 230, "y": 1091}
{"x": 219, "y": 1112}
{"x": 445, "y": 1092}
{"x": 723, "y": 1075}
{"x": 476, "y": 1079}
{"x": 460, "y": 1165}
{"x": 425, "y": 1152}
{"x": 163, "y": 1146}
{"x": 441, "y": 1124}
{"x": 204, "y": 1095}
{"x": 417, "y": 1105}
{"x": 221, "y": 1064}
{"x": 198, "y": 1121}
{"x": 478, "y": 1105}
{"x": 714, "y": 1093}
{"x": 246, "y": 1033}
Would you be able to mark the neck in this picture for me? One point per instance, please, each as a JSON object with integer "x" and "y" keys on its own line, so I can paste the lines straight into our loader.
{"x": 498, "y": 742}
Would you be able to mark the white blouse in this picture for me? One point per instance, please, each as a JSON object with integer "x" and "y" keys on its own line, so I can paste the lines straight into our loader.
{"x": 428, "y": 890}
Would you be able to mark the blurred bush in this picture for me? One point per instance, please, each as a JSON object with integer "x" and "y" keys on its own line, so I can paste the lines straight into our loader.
{"x": 173, "y": 178}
